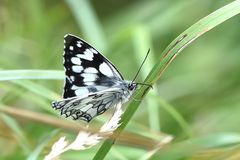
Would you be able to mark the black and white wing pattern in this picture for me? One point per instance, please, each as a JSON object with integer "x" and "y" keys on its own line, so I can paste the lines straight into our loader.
{"x": 92, "y": 84}
{"x": 85, "y": 67}
{"x": 89, "y": 105}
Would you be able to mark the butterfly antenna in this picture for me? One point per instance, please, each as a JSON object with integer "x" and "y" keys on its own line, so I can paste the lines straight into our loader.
{"x": 141, "y": 65}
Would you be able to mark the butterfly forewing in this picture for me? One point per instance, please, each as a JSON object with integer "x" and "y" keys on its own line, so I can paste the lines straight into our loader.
{"x": 86, "y": 67}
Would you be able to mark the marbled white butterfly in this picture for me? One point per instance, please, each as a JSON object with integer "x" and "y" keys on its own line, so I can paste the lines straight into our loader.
{"x": 92, "y": 84}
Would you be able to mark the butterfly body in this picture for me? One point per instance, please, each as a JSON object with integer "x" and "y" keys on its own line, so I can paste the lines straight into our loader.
{"x": 92, "y": 84}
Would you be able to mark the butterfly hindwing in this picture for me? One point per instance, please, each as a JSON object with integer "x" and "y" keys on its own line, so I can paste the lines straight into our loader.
{"x": 89, "y": 106}
{"x": 85, "y": 66}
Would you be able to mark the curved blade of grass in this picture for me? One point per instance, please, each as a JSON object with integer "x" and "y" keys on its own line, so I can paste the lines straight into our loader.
{"x": 168, "y": 55}
{"x": 37, "y": 89}
{"x": 13, "y": 75}
{"x": 30, "y": 74}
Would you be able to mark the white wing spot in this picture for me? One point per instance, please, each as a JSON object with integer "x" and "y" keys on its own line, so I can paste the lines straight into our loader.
{"x": 90, "y": 70}
{"x": 88, "y": 77}
{"x": 88, "y": 55}
{"x": 72, "y": 78}
{"x": 77, "y": 69}
{"x": 105, "y": 69}
{"x": 93, "y": 50}
{"x": 88, "y": 52}
{"x": 81, "y": 91}
{"x": 76, "y": 60}
{"x": 79, "y": 44}
{"x": 71, "y": 48}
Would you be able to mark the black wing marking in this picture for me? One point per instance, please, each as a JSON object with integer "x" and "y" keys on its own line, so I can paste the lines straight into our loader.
{"x": 89, "y": 106}
{"x": 85, "y": 66}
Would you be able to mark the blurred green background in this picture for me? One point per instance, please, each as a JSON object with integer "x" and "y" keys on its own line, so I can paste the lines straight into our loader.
{"x": 198, "y": 94}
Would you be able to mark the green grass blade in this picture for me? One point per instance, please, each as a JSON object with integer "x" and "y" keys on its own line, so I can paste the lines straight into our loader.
{"x": 38, "y": 89}
{"x": 30, "y": 74}
{"x": 168, "y": 55}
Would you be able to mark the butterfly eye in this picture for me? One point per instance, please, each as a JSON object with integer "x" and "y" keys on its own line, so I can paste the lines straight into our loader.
{"x": 132, "y": 86}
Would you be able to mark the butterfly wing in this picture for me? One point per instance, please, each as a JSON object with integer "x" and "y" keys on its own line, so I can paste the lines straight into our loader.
{"x": 87, "y": 107}
{"x": 86, "y": 70}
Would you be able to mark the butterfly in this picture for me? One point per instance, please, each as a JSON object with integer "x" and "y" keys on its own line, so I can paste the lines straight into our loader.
{"x": 92, "y": 84}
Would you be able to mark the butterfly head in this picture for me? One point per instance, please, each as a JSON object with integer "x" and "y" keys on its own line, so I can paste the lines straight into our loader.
{"x": 129, "y": 86}
{"x": 132, "y": 86}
